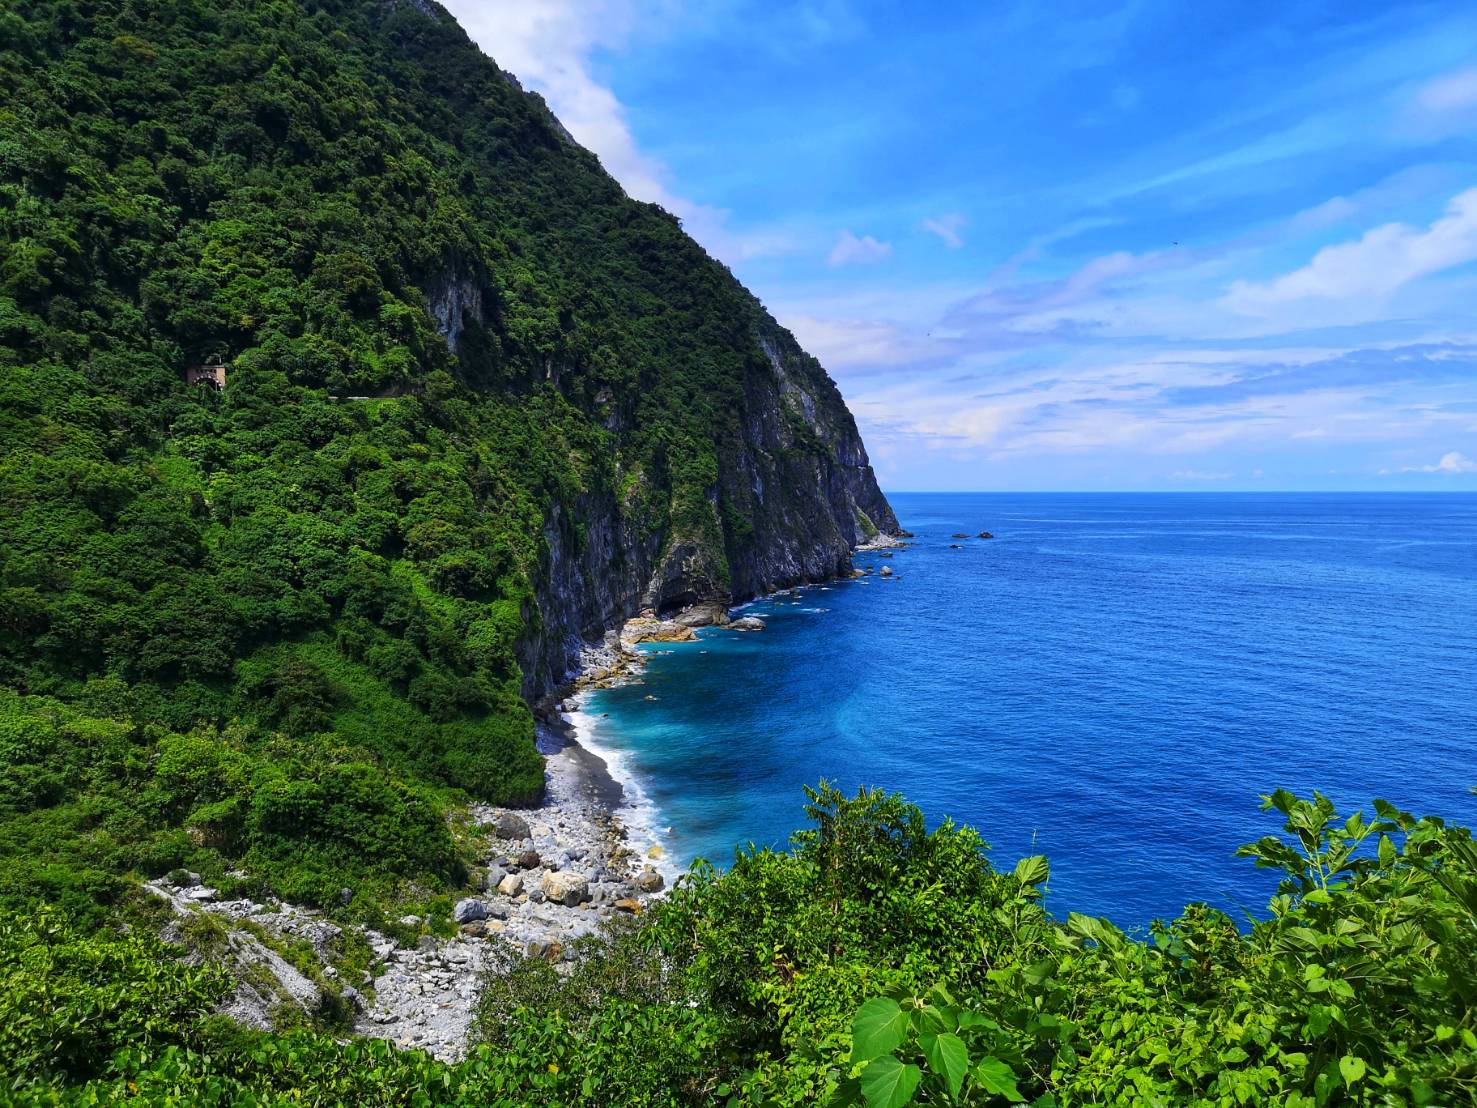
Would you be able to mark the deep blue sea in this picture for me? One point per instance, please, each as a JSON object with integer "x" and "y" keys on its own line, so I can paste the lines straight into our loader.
{"x": 1112, "y": 680}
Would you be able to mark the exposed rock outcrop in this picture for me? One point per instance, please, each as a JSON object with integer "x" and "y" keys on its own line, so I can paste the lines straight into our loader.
{"x": 795, "y": 496}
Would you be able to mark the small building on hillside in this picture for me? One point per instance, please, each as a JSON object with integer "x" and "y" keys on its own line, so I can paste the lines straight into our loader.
{"x": 210, "y": 372}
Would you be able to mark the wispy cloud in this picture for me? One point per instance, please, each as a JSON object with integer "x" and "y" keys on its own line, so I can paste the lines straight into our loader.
{"x": 947, "y": 228}
{"x": 548, "y": 45}
{"x": 1451, "y": 462}
{"x": 1217, "y": 288}
{"x": 1450, "y": 92}
{"x": 1377, "y": 264}
{"x": 851, "y": 250}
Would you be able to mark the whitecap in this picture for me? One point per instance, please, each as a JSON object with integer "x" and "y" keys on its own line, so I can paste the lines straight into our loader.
{"x": 638, "y": 813}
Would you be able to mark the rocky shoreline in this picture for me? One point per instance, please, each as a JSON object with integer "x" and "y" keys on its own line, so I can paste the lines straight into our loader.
{"x": 549, "y": 876}
{"x": 553, "y": 875}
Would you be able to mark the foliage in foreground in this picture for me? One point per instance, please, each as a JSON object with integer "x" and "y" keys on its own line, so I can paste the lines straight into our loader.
{"x": 874, "y": 963}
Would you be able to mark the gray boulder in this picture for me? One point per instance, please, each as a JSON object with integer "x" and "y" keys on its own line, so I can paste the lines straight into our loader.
{"x": 747, "y": 623}
{"x": 507, "y": 825}
{"x": 707, "y": 613}
{"x": 468, "y": 910}
{"x": 649, "y": 881}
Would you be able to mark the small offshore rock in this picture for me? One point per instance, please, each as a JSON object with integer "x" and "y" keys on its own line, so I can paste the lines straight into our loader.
{"x": 985, "y": 535}
{"x": 959, "y": 535}
{"x": 885, "y": 571}
{"x": 468, "y": 910}
{"x": 747, "y": 623}
{"x": 650, "y": 629}
{"x": 707, "y": 613}
{"x": 649, "y": 881}
{"x": 565, "y": 887}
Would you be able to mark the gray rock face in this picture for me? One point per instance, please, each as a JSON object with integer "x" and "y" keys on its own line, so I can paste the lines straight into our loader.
{"x": 748, "y": 623}
{"x": 805, "y": 510}
{"x": 453, "y": 298}
{"x": 468, "y": 910}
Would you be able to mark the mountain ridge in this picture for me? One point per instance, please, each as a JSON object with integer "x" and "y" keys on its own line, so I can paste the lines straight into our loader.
{"x": 479, "y": 406}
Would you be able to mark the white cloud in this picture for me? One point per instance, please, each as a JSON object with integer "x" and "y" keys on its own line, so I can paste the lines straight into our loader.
{"x": 1374, "y": 266}
{"x": 850, "y": 250}
{"x": 1450, "y": 92}
{"x": 1451, "y": 462}
{"x": 846, "y": 343}
{"x": 947, "y": 228}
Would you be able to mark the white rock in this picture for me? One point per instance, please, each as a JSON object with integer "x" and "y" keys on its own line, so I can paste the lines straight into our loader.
{"x": 565, "y": 887}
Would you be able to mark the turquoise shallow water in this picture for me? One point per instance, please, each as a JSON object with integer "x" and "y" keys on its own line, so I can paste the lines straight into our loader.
{"x": 1112, "y": 680}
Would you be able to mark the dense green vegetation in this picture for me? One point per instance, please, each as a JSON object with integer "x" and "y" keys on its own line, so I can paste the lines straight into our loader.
{"x": 876, "y": 962}
{"x": 288, "y": 627}
{"x": 280, "y": 635}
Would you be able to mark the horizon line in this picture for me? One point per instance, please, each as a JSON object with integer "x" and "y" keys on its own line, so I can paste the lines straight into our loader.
{"x": 1180, "y": 492}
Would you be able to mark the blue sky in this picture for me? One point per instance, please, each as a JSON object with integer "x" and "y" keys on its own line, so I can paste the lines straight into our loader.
{"x": 1070, "y": 246}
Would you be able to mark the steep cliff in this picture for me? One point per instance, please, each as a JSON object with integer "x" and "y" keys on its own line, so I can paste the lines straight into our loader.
{"x": 793, "y": 492}
{"x": 479, "y": 407}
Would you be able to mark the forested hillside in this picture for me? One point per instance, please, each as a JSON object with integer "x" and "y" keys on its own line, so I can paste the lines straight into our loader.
{"x": 478, "y": 406}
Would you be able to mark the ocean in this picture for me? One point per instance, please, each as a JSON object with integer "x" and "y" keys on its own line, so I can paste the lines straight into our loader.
{"x": 1113, "y": 680}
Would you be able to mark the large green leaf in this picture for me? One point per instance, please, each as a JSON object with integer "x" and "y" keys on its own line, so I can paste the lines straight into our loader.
{"x": 888, "y": 1083}
{"x": 1033, "y": 870}
{"x": 948, "y": 1057}
{"x": 878, "y": 1029}
{"x": 994, "y": 1076}
{"x": 1351, "y": 1068}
